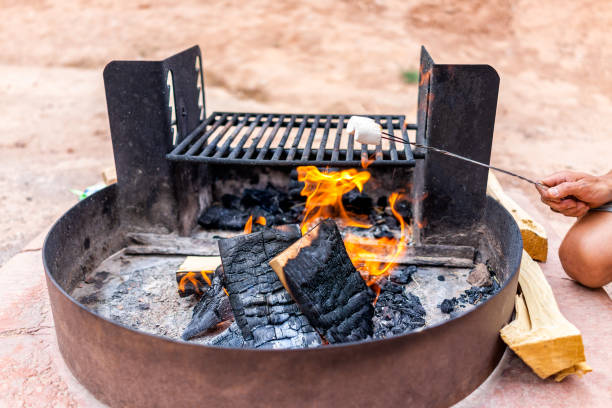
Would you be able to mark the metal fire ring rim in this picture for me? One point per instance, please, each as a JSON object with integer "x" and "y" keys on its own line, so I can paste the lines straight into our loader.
{"x": 513, "y": 271}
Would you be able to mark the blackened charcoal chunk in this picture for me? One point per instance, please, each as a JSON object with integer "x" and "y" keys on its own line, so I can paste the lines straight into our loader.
{"x": 230, "y": 201}
{"x": 392, "y": 222}
{"x": 357, "y": 203}
{"x": 265, "y": 312}
{"x": 295, "y": 190}
{"x": 447, "y": 305}
{"x": 402, "y": 274}
{"x": 382, "y": 231}
{"x": 212, "y": 309}
{"x": 396, "y": 311}
{"x": 477, "y": 294}
{"x": 326, "y": 286}
{"x": 223, "y": 218}
{"x": 382, "y": 202}
{"x": 404, "y": 208}
{"x": 268, "y": 199}
{"x": 441, "y": 278}
{"x": 286, "y": 218}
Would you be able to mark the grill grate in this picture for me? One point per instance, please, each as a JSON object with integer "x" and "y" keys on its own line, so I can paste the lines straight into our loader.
{"x": 274, "y": 139}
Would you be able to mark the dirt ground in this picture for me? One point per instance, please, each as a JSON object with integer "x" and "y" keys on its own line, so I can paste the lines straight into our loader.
{"x": 553, "y": 57}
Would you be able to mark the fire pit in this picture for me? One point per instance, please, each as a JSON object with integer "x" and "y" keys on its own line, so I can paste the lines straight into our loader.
{"x": 110, "y": 260}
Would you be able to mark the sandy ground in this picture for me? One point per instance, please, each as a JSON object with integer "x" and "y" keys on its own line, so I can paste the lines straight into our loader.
{"x": 553, "y": 57}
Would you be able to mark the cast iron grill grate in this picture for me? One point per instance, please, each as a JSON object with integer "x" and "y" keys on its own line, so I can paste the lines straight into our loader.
{"x": 275, "y": 139}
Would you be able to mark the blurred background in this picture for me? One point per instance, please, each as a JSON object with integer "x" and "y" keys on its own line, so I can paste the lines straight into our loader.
{"x": 349, "y": 56}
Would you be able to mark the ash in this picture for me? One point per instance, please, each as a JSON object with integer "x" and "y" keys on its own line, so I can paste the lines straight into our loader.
{"x": 397, "y": 311}
{"x": 140, "y": 292}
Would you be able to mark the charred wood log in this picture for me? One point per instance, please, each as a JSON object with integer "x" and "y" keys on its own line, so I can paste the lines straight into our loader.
{"x": 265, "y": 312}
{"x": 318, "y": 273}
{"x": 213, "y": 308}
{"x": 230, "y": 337}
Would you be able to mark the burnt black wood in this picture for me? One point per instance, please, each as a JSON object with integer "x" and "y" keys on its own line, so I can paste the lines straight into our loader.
{"x": 263, "y": 309}
{"x": 153, "y": 192}
{"x": 213, "y": 308}
{"x": 328, "y": 288}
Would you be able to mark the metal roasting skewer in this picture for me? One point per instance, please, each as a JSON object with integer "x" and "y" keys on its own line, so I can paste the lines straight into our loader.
{"x": 447, "y": 153}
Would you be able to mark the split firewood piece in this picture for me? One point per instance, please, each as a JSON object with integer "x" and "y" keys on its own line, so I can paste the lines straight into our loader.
{"x": 141, "y": 243}
{"x": 318, "y": 273}
{"x": 213, "y": 308}
{"x": 265, "y": 312}
{"x": 540, "y": 335}
{"x": 109, "y": 175}
{"x": 535, "y": 240}
{"x": 193, "y": 276}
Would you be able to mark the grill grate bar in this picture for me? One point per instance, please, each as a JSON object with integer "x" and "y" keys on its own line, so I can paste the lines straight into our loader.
{"x": 212, "y": 145}
{"x": 296, "y": 140}
{"x": 220, "y": 152}
{"x": 392, "y": 148}
{"x": 266, "y": 147}
{"x": 203, "y": 139}
{"x": 281, "y": 144}
{"x": 238, "y": 148}
{"x": 255, "y": 142}
{"x": 407, "y": 150}
{"x": 281, "y": 140}
{"x": 313, "y": 131}
{"x": 336, "y": 151}
{"x": 321, "y": 150}
{"x": 379, "y": 155}
{"x": 201, "y": 127}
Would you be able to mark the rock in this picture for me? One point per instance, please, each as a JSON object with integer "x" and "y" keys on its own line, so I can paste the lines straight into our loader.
{"x": 447, "y": 306}
{"x": 480, "y": 276}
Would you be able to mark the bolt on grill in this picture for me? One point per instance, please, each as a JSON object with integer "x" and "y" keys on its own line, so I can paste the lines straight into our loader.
{"x": 290, "y": 140}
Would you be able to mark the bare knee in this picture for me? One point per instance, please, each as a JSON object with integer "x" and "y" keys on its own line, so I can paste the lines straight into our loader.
{"x": 586, "y": 251}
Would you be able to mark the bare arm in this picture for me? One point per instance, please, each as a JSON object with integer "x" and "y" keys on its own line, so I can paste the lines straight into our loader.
{"x": 573, "y": 193}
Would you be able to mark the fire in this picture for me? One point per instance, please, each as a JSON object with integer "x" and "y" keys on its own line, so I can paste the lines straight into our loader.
{"x": 191, "y": 277}
{"x": 324, "y": 193}
{"x": 248, "y": 227}
{"x": 372, "y": 257}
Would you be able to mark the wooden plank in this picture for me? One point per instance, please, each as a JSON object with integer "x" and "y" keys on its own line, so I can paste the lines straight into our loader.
{"x": 540, "y": 335}
{"x": 535, "y": 240}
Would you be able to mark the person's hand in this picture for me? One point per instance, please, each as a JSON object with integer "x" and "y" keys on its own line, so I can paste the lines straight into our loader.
{"x": 573, "y": 194}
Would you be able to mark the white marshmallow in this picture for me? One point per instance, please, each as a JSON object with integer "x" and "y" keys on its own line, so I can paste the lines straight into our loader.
{"x": 366, "y": 130}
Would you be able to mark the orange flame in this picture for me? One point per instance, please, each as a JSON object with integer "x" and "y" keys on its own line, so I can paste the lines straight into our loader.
{"x": 248, "y": 227}
{"x": 324, "y": 193}
{"x": 372, "y": 257}
{"x": 192, "y": 277}
{"x": 260, "y": 220}
{"x": 375, "y": 256}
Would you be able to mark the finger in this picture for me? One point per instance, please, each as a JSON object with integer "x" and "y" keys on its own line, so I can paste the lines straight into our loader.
{"x": 563, "y": 190}
{"x": 556, "y": 178}
{"x": 564, "y": 205}
{"x": 549, "y": 201}
{"x": 577, "y": 211}
{"x": 574, "y": 212}
{"x": 562, "y": 177}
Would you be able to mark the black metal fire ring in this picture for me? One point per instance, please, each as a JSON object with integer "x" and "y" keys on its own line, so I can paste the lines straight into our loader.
{"x": 435, "y": 367}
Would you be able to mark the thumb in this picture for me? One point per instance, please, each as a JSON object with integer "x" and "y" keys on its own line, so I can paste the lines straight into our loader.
{"x": 563, "y": 190}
